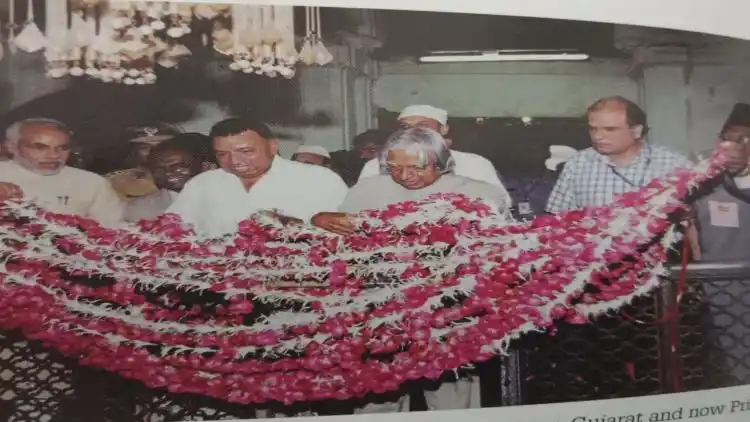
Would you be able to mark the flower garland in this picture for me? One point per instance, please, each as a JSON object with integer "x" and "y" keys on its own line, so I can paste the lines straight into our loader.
{"x": 292, "y": 313}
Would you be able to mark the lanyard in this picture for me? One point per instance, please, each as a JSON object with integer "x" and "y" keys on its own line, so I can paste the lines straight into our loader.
{"x": 527, "y": 190}
{"x": 642, "y": 180}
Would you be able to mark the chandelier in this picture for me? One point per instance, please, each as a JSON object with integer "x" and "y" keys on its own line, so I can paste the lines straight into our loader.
{"x": 124, "y": 41}
{"x": 262, "y": 40}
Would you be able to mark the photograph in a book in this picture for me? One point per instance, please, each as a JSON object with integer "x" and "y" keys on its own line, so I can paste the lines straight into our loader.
{"x": 213, "y": 211}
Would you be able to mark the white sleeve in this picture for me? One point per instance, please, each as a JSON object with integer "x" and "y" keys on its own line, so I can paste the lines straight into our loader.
{"x": 330, "y": 193}
{"x": 355, "y": 199}
{"x": 106, "y": 207}
{"x": 370, "y": 169}
{"x": 485, "y": 172}
{"x": 188, "y": 203}
{"x": 337, "y": 193}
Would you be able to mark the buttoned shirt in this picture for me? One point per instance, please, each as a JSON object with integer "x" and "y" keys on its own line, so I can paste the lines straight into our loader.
{"x": 591, "y": 179}
{"x": 71, "y": 191}
{"x": 215, "y": 202}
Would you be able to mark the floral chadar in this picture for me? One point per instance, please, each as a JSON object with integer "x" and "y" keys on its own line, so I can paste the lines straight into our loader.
{"x": 293, "y": 313}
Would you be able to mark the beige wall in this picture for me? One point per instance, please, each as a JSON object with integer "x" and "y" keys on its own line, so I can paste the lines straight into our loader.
{"x": 686, "y": 106}
{"x": 503, "y": 89}
{"x": 685, "y": 111}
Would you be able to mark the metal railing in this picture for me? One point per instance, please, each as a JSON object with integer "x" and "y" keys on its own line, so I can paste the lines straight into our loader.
{"x": 647, "y": 347}
{"x": 625, "y": 354}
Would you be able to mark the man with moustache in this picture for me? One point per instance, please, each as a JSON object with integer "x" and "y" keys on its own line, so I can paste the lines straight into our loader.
{"x": 253, "y": 177}
{"x": 171, "y": 164}
{"x": 40, "y": 149}
{"x": 468, "y": 165}
{"x": 620, "y": 159}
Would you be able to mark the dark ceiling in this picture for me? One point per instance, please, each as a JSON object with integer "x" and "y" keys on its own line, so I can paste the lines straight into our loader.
{"x": 411, "y": 33}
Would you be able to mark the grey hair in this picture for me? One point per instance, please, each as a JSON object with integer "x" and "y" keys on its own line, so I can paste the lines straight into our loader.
{"x": 426, "y": 143}
{"x": 13, "y": 132}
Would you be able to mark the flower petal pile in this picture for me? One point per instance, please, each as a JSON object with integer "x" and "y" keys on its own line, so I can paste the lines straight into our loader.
{"x": 291, "y": 313}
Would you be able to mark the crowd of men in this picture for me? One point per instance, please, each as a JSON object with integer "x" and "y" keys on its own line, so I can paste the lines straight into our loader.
{"x": 215, "y": 181}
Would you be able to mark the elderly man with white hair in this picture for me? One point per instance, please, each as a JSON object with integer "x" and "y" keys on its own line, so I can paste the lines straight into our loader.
{"x": 415, "y": 163}
{"x": 40, "y": 149}
{"x": 467, "y": 164}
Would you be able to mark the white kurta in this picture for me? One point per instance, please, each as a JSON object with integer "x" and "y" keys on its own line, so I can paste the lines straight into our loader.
{"x": 215, "y": 202}
{"x": 380, "y": 191}
{"x": 468, "y": 165}
{"x": 71, "y": 191}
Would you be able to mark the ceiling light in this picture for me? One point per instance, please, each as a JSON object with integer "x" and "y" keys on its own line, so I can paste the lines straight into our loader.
{"x": 500, "y": 56}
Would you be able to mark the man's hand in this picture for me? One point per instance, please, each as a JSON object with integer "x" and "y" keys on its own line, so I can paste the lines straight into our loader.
{"x": 10, "y": 191}
{"x": 336, "y": 222}
{"x": 286, "y": 220}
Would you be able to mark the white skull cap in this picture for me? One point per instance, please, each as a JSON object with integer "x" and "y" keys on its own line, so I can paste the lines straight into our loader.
{"x": 428, "y": 111}
{"x": 312, "y": 149}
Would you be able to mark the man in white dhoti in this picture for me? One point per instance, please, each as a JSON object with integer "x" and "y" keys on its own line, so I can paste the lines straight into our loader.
{"x": 40, "y": 149}
{"x": 415, "y": 163}
{"x": 252, "y": 178}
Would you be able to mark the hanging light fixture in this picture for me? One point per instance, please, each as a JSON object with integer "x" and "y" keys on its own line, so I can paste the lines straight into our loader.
{"x": 30, "y": 39}
{"x": 313, "y": 51}
{"x": 113, "y": 41}
{"x": 123, "y": 41}
{"x": 263, "y": 40}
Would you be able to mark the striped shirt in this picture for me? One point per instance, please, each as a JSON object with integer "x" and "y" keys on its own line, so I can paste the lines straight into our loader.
{"x": 590, "y": 178}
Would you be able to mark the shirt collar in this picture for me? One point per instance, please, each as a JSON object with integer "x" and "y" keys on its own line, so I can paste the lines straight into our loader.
{"x": 644, "y": 155}
{"x": 278, "y": 166}
{"x": 172, "y": 195}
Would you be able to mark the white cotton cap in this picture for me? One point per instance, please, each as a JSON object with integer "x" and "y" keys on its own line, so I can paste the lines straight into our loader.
{"x": 313, "y": 149}
{"x": 430, "y": 112}
{"x": 559, "y": 154}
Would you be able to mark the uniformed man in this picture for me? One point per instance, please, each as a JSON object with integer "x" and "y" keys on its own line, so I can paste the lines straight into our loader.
{"x": 723, "y": 215}
{"x": 171, "y": 164}
{"x": 137, "y": 181}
